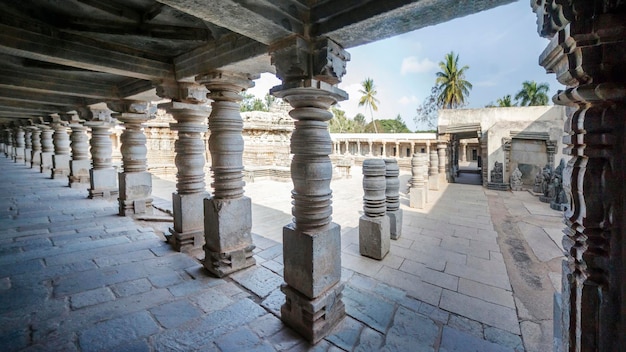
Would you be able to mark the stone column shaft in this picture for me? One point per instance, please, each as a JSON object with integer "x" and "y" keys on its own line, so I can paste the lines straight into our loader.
{"x": 418, "y": 188}
{"x": 392, "y": 195}
{"x": 61, "y": 157}
{"x": 374, "y": 225}
{"x": 28, "y": 144}
{"x": 102, "y": 175}
{"x": 47, "y": 149}
{"x": 35, "y": 157}
{"x": 19, "y": 145}
{"x": 80, "y": 163}
{"x": 228, "y": 214}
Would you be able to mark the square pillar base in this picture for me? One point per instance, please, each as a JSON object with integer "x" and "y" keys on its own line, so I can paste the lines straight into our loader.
{"x": 60, "y": 166}
{"x": 103, "y": 183}
{"x": 227, "y": 233}
{"x": 395, "y": 224}
{"x": 417, "y": 197}
{"x": 433, "y": 182}
{"x": 79, "y": 173}
{"x": 443, "y": 179}
{"x": 19, "y": 155}
{"x": 315, "y": 318}
{"x": 45, "y": 164}
{"x": 374, "y": 237}
{"x": 35, "y": 159}
{"x": 27, "y": 155}
{"x": 135, "y": 193}
{"x": 188, "y": 230}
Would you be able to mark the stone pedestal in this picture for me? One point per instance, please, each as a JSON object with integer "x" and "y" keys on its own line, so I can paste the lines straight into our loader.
{"x": 417, "y": 197}
{"x": 61, "y": 157}
{"x": 374, "y": 236}
{"x": 102, "y": 176}
{"x": 227, "y": 231}
{"x": 395, "y": 223}
{"x": 135, "y": 193}
{"x": 228, "y": 219}
{"x": 45, "y": 164}
{"x": 188, "y": 230}
{"x": 79, "y": 173}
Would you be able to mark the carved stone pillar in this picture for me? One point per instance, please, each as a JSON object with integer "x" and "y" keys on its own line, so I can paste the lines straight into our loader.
{"x": 309, "y": 71}
{"x": 3, "y": 140}
{"x": 392, "y": 195}
{"x": 28, "y": 144}
{"x": 433, "y": 171}
{"x": 374, "y": 226}
{"x": 506, "y": 168}
{"x": 384, "y": 152}
{"x": 358, "y": 148}
{"x": 412, "y": 149}
{"x": 47, "y": 149}
{"x": 587, "y": 54}
{"x": 228, "y": 214}
{"x": 551, "y": 150}
{"x": 19, "y": 144}
{"x": 347, "y": 143}
{"x": 484, "y": 160}
{"x": 102, "y": 175}
{"x": 35, "y": 156}
{"x": 417, "y": 192}
{"x": 135, "y": 183}
{"x": 80, "y": 163}
{"x": 61, "y": 157}
{"x": 441, "y": 152}
{"x": 189, "y": 109}
{"x": 370, "y": 150}
{"x": 9, "y": 142}
{"x": 463, "y": 151}
{"x": 428, "y": 147}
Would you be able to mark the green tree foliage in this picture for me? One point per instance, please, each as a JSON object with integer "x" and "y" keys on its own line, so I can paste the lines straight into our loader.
{"x": 396, "y": 125}
{"x": 533, "y": 94}
{"x": 340, "y": 123}
{"x": 368, "y": 98}
{"x": 452, "y": 87}
{"x": 505, "y": 101}
{"x": 251, "y": 103}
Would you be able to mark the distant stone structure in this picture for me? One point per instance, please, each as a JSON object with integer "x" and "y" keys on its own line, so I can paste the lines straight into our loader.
{"x": 374, "y": 234}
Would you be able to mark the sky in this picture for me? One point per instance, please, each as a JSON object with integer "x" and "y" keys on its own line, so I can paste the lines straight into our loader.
{"x": 501, "y": 47}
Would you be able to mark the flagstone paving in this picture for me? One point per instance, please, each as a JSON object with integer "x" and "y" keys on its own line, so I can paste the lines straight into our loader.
{"x": 74, "y": 276}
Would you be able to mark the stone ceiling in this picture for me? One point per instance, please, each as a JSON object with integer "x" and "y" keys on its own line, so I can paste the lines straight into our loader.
{"x": 59, "y": 55}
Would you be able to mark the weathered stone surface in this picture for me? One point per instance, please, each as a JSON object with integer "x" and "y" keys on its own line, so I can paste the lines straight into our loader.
{"x": 374, "y": 236}
{"x": 176, "y": 313}
{"x": 370, "y": 309}
{"x": 135, "y": 193}
{"x": 133, "y": 287}
{"x": 395, "y": 224}
{"x": 455, "y": 340}
{"x": 241, "y": 339}
{"x": 89, "y": 298}
{"x": 346, "y": 333}
{"x": 411, "y": 332}
{"x": 312, "y": 260}
{"x": 259, "y": 280}
{"x": 188, "y": 230}
{"x": 110, "y": 333}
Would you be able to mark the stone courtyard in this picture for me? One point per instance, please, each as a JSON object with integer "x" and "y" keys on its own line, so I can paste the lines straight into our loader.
{"x": 475, "y": 270}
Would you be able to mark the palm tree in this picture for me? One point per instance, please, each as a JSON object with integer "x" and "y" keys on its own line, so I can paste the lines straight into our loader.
{"x": 533, "y": 94}
{"x": 451, "y": 84}
{"x": 505, "y": 101}
{"x": 369, "y": 98}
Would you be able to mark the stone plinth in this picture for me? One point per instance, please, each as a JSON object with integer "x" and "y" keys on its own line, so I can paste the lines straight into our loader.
{"x": 374, "y": 231}
{"x": 135, "y": 193}
{"x": 188, "y": 230}
{"x": 374, "y": 236}
{"x": 227, "y": 232}
{"x": 103, "y": 183}
{"x": 395, "y": 223}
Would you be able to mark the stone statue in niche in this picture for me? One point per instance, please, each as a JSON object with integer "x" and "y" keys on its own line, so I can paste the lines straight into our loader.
{"x": 546, "y": 180}
{"x": 538, "y": 182}
{"x": 516, "y": 180}
{"x": 496, "y": 174}
{"x": 559, "y": 198}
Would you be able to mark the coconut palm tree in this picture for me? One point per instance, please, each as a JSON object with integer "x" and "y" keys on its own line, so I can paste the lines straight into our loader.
{"x": 505, "y": 101}
{"x": 451, "y": 84}
{"x": 368, "y": 99}
{"x": 533, "y": 94}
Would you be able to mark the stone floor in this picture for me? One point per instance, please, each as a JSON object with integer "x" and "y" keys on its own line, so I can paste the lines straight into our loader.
{"x": 474, "y": 271}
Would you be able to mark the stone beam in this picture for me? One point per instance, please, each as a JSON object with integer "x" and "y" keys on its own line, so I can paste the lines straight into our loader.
{"x": 116, "y": 28}
{"x": 43, "y": 98}
{"x": 354, "y": 22}
{"x": 50, "y": 48}
{"x": 12, "y": 105}
{"x": 262, "y": 20}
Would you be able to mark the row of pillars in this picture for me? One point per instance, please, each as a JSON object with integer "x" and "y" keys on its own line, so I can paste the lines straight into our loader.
{"x": 309, "y": 70}
{"x": 370, "y": 143}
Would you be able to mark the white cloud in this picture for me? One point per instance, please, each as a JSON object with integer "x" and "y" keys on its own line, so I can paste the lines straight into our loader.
{"x": 412, "y": 64}
{"x": 408, "y": 100}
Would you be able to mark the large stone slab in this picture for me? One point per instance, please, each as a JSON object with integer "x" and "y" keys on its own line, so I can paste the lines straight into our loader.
{"x": 374, "y": 236}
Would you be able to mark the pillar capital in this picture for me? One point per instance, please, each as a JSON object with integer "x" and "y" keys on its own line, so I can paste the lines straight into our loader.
{"x": 226, "y": 85}
{"x": 184, "y": 92}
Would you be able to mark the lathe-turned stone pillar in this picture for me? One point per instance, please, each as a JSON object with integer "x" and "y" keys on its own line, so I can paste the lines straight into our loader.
{"x": 441, "y": 152}
{"x": 397, "y": 150}
{"x": 433, "y": 171}
{"x": 384, "y": 152}
{"x": 8, "y": 151}
{"x": 47, "y": 149}
{"x": 3, "y": 140}
{"x": 418, "y": 190}
{"x": 35, "y": 156}
{"x": 392, "y": 195}
{"x": 309, "y": 70}
{"x": 586, "y": 52}
{"x": 190, "y": 110}
{"x": 463, "y": 150}
{"x": 61, "y": 157}
{"x": 28, "y": 144}
{"x": 19, "y": 144}
{"x": 80, "y": 163}
{"x": 102, "y": 175}
{"x": 135, "y": 183}
{"x": 347, "y": 143}
{"x": 370, "y": 151}
{"x": 228, "y": 214}
{"x": 374, "y": 226}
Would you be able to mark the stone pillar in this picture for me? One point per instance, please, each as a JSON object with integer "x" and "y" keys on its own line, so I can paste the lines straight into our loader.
{"x": 392, "y": 196}
{"x": 135, "y": 183}
{"x": 80, "y": 164}
{"x": 484, "y": 160}
{"x": 412, "y": 148}
{"x": 35, "y": 157}
{"x": 9, "y": 142}
{"x": 47, "y": 149}
{"x": 61, "y": 157}
{"x": 228, "y": 214}
{"x": 374, "y": 225}
{"x": 463, "y": 151}
{"x": 428, "y": 147}
{"x": 102, "y": 175}
{"x": 418, "y": 190}
{"x": 358, "y": 148}
{"x": 397, "y": 152}
{"x": 371, "y": 150}
{"x": 309, "y": 70}
{"x": 19, "y": 145}
{"x": 189, "y": 109}
{"x": 3, "y": 142}
{"x": 28, "y": 144}
{"x": 433, "y": 171}
{"x": 441, "y": 152}
{"x": 586, "y": 52}
{"x": 551, "y": 150}
{"x": 347, "y": 143}
{"x": 384, "y": 153}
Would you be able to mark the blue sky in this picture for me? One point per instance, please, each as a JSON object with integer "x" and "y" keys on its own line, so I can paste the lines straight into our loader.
{"x": 501, "y": 46}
